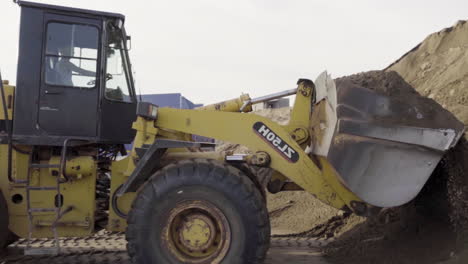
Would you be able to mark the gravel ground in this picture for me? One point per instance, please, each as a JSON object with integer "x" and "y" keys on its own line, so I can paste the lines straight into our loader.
{"x": 110, "y": 248}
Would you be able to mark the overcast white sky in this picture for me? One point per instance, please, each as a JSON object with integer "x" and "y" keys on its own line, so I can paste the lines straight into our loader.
{"x": 211, "y": 50}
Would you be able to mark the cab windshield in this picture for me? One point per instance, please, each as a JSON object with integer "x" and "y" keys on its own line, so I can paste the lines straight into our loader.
{"x": 118, "y": 81}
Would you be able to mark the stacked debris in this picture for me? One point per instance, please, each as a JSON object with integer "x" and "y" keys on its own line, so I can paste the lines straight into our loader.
{"x": 438, "y": 68}
{"x": 399, "y": 235}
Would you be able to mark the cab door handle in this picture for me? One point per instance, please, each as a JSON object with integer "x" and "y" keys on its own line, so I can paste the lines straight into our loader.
{"x": 52, "y": 92}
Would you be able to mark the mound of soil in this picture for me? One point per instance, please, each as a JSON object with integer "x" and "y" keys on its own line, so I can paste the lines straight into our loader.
{"x": 296, "y": 213}
{"x": 419, "y": 232}
{"x": 438, "y": 69}
{"x": 432, "y": 229}
{"x": 401, "y": 235}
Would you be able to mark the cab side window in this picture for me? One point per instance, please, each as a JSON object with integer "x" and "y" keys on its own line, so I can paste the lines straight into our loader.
{"x": 117, "y": 75}
{"x": 71, "y": 55}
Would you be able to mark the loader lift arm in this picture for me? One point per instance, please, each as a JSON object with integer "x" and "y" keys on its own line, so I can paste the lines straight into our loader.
{"x": 283, "y": 145}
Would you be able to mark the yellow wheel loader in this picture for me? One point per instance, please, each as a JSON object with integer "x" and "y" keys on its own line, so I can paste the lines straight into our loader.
{"x": 66, "y": 172}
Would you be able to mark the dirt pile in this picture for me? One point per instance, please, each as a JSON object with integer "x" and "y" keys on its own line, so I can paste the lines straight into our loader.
{"x": 297, "y": 213}
{"x": 403, "y": 234}
{"x": 421, "y": 232}
{"x": 400, "y": 235}
{"x": 438, "y": 69}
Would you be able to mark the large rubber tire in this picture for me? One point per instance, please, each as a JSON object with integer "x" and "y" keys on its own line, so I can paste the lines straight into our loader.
{"x": 205, "y": 181}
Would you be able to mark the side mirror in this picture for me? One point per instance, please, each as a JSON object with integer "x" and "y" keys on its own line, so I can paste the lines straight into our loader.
{"x": 129, "y": 42}
{"x": 119, "y": 23}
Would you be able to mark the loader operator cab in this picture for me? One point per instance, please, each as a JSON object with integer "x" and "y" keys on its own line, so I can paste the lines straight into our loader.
{"x": 74, "y": 77}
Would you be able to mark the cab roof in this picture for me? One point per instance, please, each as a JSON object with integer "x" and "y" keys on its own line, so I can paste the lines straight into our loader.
{"x": 70, "y": 10}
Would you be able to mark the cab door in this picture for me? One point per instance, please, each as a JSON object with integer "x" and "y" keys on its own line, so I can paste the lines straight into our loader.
{"x": 69, "y": 90}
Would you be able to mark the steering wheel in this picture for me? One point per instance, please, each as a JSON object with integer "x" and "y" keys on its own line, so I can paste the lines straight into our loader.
{"x": 108, "y": 77}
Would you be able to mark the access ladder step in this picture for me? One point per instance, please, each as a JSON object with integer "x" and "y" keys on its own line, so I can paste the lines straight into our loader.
{"x": 41, "y": 251}
{"x": 42, "y": 210}
{"x": 45, "y": 188}
{"x": 44, "y": 166}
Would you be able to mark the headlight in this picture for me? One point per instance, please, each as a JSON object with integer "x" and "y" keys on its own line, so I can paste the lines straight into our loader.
{"x": 147, "y": 110}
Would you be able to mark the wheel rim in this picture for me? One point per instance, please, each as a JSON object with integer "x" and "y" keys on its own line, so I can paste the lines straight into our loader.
{"x": 197, "y": 232}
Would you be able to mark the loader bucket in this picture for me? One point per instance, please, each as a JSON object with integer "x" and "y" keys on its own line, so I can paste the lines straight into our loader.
{"x": 386, "y": 139}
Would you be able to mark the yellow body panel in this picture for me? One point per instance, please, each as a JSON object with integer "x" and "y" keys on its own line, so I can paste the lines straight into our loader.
{"x": 124, "y": 203}
{"x": 9, "y": 98}
{"x": 76, "y": 167}
{"x": 146, "y": 135}
{"x": 79, "y": 193}
{"x": 238, "y": 128}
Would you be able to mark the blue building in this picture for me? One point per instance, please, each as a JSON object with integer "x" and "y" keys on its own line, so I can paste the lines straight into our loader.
{"x": 174, "y": 100}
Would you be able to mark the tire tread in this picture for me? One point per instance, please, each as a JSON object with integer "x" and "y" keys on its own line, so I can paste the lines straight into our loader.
{"x": 223, "y": 174}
